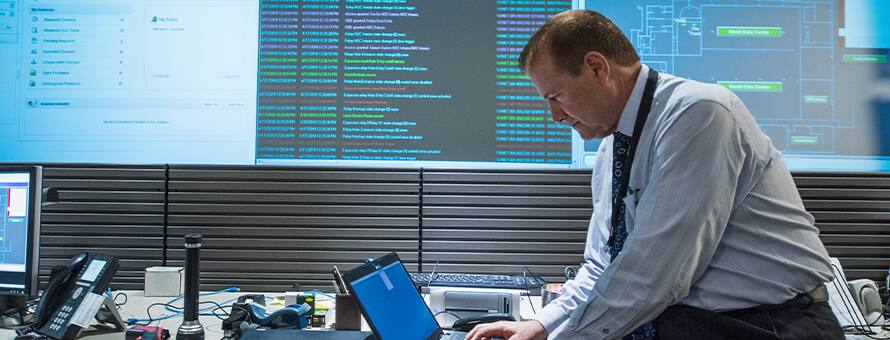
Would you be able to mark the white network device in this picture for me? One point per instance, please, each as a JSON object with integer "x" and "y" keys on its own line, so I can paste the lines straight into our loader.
{"x": 164, "y": 281}
{"x": 865, "y": 293}
{"x": 463, "y": 302}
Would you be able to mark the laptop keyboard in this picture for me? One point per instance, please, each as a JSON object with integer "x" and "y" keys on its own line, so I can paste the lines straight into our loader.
{"x": 454, "y": 336}
{"x": 459, "y": 336}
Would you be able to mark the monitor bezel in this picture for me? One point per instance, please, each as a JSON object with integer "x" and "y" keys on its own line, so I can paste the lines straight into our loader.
{"x": 35, "y": 192}
{"x": 369, "y": 267}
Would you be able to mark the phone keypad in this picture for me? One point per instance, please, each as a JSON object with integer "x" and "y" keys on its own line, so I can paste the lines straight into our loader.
{"x": 59, "y": 325}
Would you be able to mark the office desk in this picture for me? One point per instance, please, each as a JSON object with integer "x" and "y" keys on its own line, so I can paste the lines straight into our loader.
{"x": 879, "y": 334}
{"x": 137, "y": 303}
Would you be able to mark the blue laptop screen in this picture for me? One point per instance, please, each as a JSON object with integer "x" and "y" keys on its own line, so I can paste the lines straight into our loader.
{"x": 393, "y": 305}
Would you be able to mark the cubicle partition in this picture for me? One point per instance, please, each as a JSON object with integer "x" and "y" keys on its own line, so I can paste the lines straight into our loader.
{"x": 278, "y": 228}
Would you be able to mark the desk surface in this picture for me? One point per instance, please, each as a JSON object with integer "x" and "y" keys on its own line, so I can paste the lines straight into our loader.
{"x": 137, "y": 303}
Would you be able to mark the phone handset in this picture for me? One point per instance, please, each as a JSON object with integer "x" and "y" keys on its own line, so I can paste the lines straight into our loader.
{"x": 74, "y": 295}
{"x": 60, "y": 282}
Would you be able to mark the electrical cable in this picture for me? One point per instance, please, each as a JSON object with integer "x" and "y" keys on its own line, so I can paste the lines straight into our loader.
{"x": 860, "y": 329}
{"x": 213, "y": 311}
{"x": 177, "y": 310}
{"x": 246, "y": 312}
{"x": 221, "y": 308}
{"x": 433, "y": 274}
{"x": 22, "y": 311}
{"x": 147, "y": 322}
{"x": 848, "y": 305}
{"x": 118, "y": 305}
{"x": 150, "y": 319}
{"x": 527, "y": 291}
{"x": 180, "y": 297}
{"x": 447, "y": 312}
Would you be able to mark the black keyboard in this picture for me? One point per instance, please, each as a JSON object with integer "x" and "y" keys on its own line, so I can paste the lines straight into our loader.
{"x": 478, "y": 280}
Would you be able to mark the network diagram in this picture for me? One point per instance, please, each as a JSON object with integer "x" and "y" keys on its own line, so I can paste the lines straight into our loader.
{"x": 787, "y": 60}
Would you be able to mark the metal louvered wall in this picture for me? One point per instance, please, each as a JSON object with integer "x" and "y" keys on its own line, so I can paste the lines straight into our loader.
{"x": 271, "y": 228}
{"x": 117, "y": 210}
{"x": 503, "y": 221}
{"x": 853, "y": 216}
{"x": 268, "y": 228}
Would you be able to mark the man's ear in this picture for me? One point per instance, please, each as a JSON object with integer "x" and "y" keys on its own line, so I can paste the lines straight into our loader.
{"x": 598, "y": 64}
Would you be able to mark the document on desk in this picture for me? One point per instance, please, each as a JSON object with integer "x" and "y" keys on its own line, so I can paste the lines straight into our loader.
{"x": 840, "y": 300}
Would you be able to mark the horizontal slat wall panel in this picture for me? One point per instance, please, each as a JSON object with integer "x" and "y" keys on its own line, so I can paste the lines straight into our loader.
{"x": 852, "y": 212}
{"x": 117, "y": 210}
{"x": 271, "y": 228}
{"x": 494, "y": 221}
{"x": 488, "y": 221}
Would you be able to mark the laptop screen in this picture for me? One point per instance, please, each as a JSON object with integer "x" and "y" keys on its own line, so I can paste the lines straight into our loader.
{"x": 392, "y": 304}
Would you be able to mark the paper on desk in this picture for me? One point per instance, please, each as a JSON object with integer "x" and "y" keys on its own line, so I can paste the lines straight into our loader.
{"x": 84, "y": 315}
{"x": 840, "y": 300}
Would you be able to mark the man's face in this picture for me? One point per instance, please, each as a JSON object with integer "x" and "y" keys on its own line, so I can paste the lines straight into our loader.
{"x": 586, "y": 101}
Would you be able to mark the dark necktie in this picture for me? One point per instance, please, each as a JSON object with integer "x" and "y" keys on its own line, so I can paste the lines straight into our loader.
{"x": 619, "y": 166}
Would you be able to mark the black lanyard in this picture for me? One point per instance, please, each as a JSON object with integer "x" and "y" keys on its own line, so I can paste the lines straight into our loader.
{"x": 642, "y": 115}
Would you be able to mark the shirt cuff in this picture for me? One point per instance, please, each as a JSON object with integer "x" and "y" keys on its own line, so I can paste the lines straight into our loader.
{"x": 551, "y": 317}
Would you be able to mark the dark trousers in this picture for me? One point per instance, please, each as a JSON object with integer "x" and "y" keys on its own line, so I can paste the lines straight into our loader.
{"x": 799, "y": 318}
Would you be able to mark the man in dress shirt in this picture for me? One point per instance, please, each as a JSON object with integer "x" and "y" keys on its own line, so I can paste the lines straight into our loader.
{"x": 718, "y": 244}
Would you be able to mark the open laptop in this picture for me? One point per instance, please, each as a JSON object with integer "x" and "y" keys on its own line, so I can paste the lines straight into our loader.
{"x": 393, "y": 307}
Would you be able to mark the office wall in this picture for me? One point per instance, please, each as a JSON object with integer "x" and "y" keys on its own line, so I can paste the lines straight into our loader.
{"x": 118, "y": 210}
{"x": 505, "y": 221}
{"x": 269, "y": 229}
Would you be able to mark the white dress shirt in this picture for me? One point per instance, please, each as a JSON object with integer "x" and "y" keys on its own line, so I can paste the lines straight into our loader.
{"x": 715, "y": 220}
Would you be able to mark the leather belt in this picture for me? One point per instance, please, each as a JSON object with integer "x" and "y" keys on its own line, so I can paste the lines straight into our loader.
{"x": 819, "y": 294}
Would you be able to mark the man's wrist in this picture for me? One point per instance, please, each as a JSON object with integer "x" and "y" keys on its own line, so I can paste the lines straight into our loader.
{"x": 541, "y": 331}
{"x": 551, "y": 317}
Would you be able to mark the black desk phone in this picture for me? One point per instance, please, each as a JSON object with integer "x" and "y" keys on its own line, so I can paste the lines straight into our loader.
{"x": 74, "y": 294}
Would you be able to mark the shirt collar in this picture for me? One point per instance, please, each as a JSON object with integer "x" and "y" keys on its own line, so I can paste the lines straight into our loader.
{"x": 629, "y": 116}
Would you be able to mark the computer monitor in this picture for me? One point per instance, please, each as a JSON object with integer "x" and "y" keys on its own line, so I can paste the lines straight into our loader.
{"x": 20, "y": 199}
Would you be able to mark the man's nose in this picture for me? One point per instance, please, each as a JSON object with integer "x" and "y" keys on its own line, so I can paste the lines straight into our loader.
{"x": 556, "y": 113}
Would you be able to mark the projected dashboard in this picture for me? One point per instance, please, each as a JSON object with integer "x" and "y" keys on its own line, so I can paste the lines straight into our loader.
{"x": 814, "y": 73}
{"x": 410, "y": 83}
{"x": 129, "y": 81}
{"x": 396, "y": 80}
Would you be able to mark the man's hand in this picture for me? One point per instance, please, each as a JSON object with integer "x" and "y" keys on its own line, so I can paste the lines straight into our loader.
{"x": 509, "y": 330}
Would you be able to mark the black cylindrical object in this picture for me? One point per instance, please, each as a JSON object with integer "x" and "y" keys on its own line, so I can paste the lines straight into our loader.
{"x": 192, "y": 276}
{"x": 191, "y": 328}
